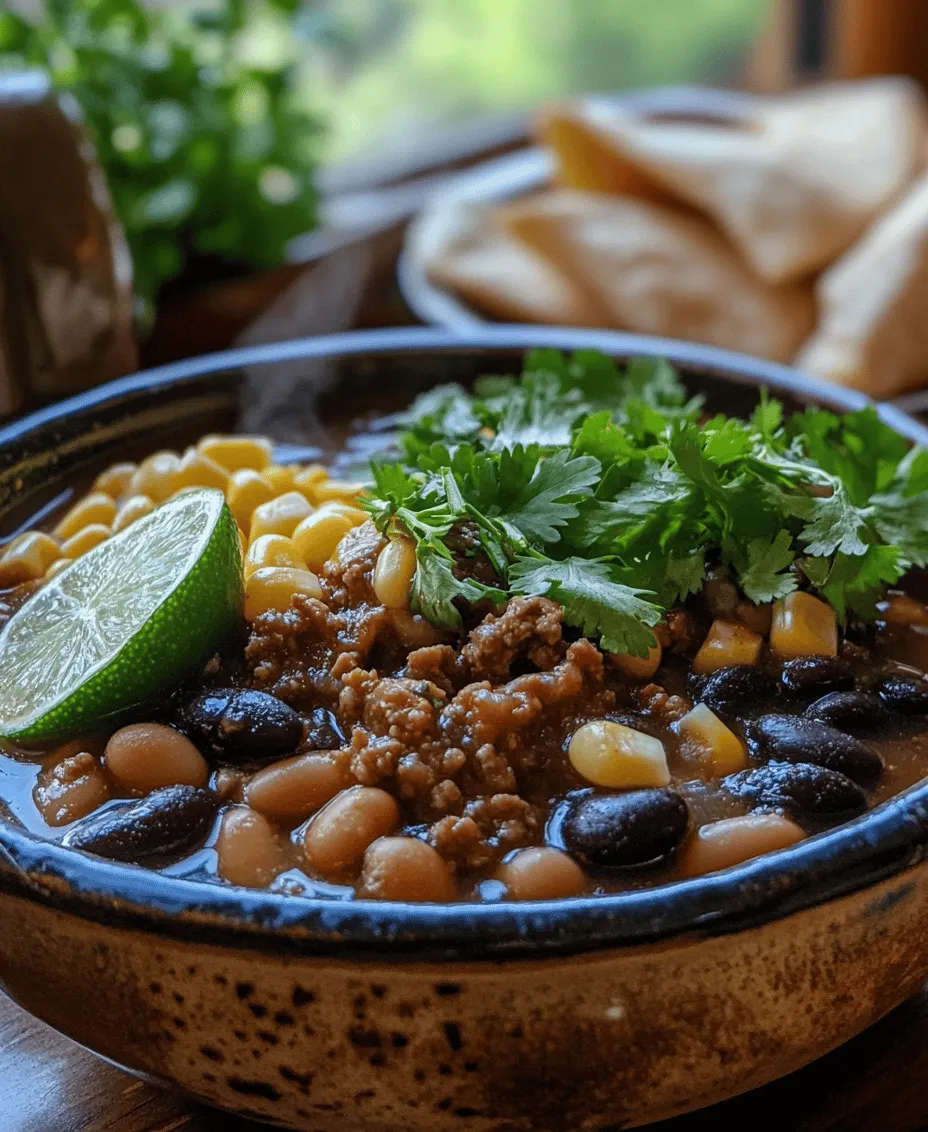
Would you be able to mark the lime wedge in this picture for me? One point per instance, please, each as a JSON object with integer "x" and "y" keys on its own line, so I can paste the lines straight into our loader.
{"x": 123, "y": 622}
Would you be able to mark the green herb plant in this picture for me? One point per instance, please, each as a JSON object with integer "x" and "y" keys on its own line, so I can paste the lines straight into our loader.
{"x": 612, "y": 493}
{"x": 205, "y": 146}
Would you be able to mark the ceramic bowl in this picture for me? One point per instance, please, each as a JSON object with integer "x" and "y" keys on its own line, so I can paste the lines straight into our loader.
{"x": 336, "y": 1016}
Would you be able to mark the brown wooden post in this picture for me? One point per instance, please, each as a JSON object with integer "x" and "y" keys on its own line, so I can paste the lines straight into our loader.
{"x": 811, "y": 40}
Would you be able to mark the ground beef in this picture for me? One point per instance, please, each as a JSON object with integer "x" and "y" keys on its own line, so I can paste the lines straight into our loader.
{"x": 489, "y": 828}
{"x": 469, "y": 740}
{"x": 527, "y": 627}
{"x": 440, "y": 664}
{"x": 303, "y": 655}
{"x": 346, "y": 579}
{"x": 658, "y": 703}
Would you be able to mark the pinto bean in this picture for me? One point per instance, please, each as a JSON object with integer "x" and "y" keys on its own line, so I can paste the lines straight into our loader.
{"x": 541, "y": 873}
{"x": 293, "y": 789}
{"x": 250, "y": 851}
{"x": 337, "y": 837}
{"x": 70, "y": 787}
{"x": 146, "y": 756}
{"x": 721, "y": 844}
{"x": 405, "y": 868}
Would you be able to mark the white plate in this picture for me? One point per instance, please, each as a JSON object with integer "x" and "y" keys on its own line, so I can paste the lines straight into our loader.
{"x": 512, "y": 176}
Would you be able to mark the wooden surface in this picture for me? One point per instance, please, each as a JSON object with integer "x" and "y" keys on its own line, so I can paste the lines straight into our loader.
{"x": 876, "y": 1083}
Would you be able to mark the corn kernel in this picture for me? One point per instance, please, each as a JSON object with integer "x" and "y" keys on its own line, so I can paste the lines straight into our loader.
{"x": 705, "y": 739}
{"x": 280, "y": 479}
{"x": 803, "y": 625}
{"x": 28, "y": 558}
{"x": 273, "y": 587}
{"x": 727, "y": 643}
{"x": 154, "y": 477}
{"x": 247, "y": 490}
{"x": 394, "y": 572}
{"x": 272, "y": 550}
{"x": 86, "y": 539}
{"x": 338, "y": 491}
{"x": 900, "y": 609}
{"x": 237, "y": 452}
{"x": 721, "y": 844}
{"x": 98, "y": 507}
{"x": 638, "y": 667}
{"x": 317, "y": 536}
{"x": 132, "y": 508}
{"x": 57, "y": 567}
{"x": 114, "y": 480}
{"x": 607, "y": 753}
{"x": 280, "y": 516}
{"x": 308, "y": 479}
{"x": 198, "y": 470}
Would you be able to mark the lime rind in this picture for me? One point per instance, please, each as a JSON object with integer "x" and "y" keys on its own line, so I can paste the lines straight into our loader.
{"x": 123, "y": 622}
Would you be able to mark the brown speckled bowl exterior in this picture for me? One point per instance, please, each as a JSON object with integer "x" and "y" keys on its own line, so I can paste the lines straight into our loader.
{"x": 609, "y": 1039}
{"x": 577, "y": 1015}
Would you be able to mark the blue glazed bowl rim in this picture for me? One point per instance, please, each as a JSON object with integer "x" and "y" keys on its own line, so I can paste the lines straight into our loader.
{"x": 880, "y": 844}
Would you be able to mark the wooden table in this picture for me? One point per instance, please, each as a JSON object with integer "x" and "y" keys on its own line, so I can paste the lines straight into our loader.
{"x": 875, "y": 1083}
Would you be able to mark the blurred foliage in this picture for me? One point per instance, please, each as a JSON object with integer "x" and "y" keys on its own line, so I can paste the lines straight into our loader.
{"x": 391, "y": 68}
{"x": 208, "y": 148}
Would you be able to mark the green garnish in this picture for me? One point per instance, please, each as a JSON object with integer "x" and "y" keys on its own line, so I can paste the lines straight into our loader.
{"x": 606, "y": 490}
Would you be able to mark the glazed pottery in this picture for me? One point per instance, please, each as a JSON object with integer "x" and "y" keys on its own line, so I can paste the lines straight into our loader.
{"x": 335, "y": 1015}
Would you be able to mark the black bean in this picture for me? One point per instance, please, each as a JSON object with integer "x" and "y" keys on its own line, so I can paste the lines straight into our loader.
{"x": 905, "y": 694}
{"x": 793, "y": 739}
{"x": 624, "y": 829}
{"x": 736, "y": 690}
{"x": 816, "y": 676}
{"x": 242, "y": 724}
{"x": 802, "y": 788}
{"x": 167, "y": 823}
{"x": 853, "y": 712}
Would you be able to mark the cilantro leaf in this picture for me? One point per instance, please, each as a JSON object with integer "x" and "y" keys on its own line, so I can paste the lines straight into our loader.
{"x": 767, "y": 417}
{"x": 684, "y": 576}
{"x": 855, "y": 582}
{"x": 601, "y": 486}
{"x": 618, "y": 614}
{"x": 903, "y": 523}
{"x": 832, "y": 523}
{"x": 766, "y": 576}
{"x": 435, "y": 588}
{"x": 531, "y": 494}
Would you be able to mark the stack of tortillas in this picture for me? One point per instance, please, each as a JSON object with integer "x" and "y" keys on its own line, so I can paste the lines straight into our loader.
{"x": 797, "y": 233}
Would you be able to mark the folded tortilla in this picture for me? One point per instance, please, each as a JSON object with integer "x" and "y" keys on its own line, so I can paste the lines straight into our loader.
{"x": 792, "y": 185}
{"x": 658, "y": 271}
{"x": 475, "y": 257}
{"x": 873, "y": 330}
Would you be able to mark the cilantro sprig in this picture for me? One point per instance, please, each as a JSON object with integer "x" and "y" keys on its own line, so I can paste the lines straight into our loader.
{"x": 607, "y": 490}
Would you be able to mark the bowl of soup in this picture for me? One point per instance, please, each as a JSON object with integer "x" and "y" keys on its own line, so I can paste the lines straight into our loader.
{"x": 405, "y": 728}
